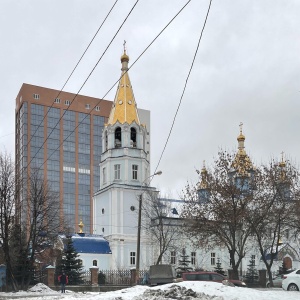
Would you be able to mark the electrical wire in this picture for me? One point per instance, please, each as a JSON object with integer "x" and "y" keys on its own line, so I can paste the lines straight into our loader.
{"x": 79, "y": 92}
{"x": 97, "y": 104}
{"x": 68, "y": 81}
{"x": 184, "y": 88}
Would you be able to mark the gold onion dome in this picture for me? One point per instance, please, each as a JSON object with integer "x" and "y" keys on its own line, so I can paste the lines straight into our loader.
{"x": 282, "y": 164}
{"x": 124, "y": 57}
{"x": 242, "y": 163}
{"x": 241, "y": 137}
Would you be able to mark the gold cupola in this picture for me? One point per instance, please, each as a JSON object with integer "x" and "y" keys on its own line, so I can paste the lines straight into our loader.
{"x": 124, "y": 108}
{"x": 242, "y": 163}
{"x": 204, "y": 178}
{"x": 282, "y": 166}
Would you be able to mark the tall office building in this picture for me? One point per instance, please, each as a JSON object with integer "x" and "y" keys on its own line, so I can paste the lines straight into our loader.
{"x": 65, "y": 142}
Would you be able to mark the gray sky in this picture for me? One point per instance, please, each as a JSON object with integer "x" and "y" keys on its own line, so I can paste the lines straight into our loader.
{"x": 247, "y": 70}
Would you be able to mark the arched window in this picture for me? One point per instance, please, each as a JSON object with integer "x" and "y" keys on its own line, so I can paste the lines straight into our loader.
{"x": 133, "y": 137}
{"x": 95, "y": 263}
{"x": 118, "y": 137}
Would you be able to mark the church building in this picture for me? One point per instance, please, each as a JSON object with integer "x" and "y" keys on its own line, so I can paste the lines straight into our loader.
{"x": 125, "y": 174}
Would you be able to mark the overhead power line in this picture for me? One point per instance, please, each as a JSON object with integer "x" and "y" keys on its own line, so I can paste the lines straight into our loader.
{"x": 79, "y": 89}
{"x": 88, "y": 46}
{"x": 185, "y": 85}
{"x": 97, "y": 104}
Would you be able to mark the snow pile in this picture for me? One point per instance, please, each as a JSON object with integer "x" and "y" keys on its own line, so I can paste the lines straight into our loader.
{"x": 41, "y": 288}
{"x": 175, "y": 292}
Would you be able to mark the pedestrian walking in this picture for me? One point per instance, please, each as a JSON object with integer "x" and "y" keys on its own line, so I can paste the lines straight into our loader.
{"x": 63, "y": 280}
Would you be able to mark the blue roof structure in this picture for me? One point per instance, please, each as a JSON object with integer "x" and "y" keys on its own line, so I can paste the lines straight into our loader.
{"x": 91, "y": 244}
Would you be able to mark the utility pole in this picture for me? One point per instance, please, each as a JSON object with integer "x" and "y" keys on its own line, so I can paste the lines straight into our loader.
{"x": 138, "y": 248}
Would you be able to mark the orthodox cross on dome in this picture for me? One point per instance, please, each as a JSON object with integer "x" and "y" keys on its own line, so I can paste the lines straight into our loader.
{"x": 81, "y": 225}
{"x": 124, "y": 45}
{"x": 282, "y": 156}
{"x": 241, "y": 127}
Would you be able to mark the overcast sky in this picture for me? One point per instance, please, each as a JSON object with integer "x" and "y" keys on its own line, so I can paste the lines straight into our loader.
{"x": 247, "y": 70}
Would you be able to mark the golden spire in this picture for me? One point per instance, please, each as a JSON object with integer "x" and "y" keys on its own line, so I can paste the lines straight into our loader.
{"x": 124, "y": 109}
{"x": 242, "y": 163}
{"x": 282, "y": 165}
{"x": 203, "y": 183}
{"x": 81, "y": 225}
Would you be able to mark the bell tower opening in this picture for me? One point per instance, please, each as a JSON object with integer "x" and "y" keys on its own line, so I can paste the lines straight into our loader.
{"x": 118, "y": 137}
{"x": 133, "y": 137}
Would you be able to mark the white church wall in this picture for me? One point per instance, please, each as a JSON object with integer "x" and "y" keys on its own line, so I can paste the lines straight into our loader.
{"x": 103, "y": 260}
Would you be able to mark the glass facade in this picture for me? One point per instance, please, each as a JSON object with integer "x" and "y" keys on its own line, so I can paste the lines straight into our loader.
{"x": 84, "y": 162}
{"x": 65, "y": 145}
{"x": 98, "y": 124}
{"x": 53, "y": 145}
{"x": 69, "y": 166}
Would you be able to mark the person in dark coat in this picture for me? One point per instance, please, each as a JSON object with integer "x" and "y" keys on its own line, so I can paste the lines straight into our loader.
{"x": 63, "y": 280}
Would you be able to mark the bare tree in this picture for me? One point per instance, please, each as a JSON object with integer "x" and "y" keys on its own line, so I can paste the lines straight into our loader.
{"x": 215, "y": 212}
{"x": 164, "y": 230}
{"x": 39, "y": 223}
{"x": 273, "y": 212}
{"x": 34, "y": 229}
{"x": 7, "y": 209}
{"x": 237, "y": 205}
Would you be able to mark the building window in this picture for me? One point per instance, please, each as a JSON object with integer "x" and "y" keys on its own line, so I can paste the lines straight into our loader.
{"x": 95, "y": 263}
{"x": 104, "y": 175}
{"x": 213, "y": 258}
{"x": 87, "y": 106}
{"x": 97, "y": 108}
{"x": 57, "y": 100}
{"x": 117, "y": 172}
{"x": 36, "y": 96}
{"x": 193, "y": 258}
{"x": 173, "y": 257}
{"x": 67, "y": 102}
{"x": 134, "y": 172}
{"x": 132, "y": 258}
{"x": 253, "y": 260}
{"x": 102, "y": 211}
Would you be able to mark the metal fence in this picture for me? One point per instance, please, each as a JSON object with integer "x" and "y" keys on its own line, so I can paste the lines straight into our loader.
{"x": 86, "y": 278}
{"x": 119, "y": 277}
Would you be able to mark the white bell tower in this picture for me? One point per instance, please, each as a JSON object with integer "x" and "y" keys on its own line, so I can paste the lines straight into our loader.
{"x": 124, "y": 171}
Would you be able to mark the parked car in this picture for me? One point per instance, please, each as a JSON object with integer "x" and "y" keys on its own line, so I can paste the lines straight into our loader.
{"x": 210, "y": 276}
{"x": 291, "y": 281}
{"x": 161, "y": 274}
{"x": 277, "y": 281}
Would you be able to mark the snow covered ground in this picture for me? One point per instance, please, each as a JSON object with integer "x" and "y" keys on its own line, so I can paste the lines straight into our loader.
{"x": 189, "y": 290}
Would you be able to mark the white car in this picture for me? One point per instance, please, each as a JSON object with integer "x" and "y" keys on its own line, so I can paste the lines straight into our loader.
{"x": 291, "y": 281}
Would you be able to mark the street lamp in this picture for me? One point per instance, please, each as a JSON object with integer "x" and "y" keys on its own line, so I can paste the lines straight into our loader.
{"x": 138, "y": 247}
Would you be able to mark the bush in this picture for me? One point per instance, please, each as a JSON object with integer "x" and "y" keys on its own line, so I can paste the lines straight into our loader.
{"x": 101, "y": 278}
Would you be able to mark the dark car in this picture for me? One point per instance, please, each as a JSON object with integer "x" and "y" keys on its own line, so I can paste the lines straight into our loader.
{"x": 210, "y": 276}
